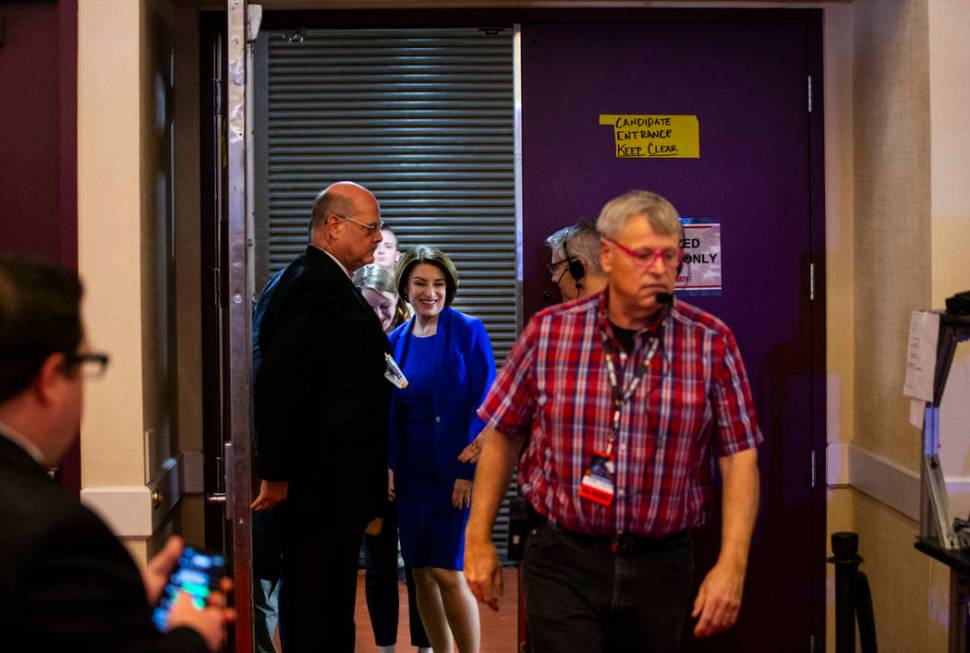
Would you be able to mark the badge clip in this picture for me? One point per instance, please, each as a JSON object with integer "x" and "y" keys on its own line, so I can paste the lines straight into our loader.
{"x": 394, "y": 374}
{"x": 598, "y": 479}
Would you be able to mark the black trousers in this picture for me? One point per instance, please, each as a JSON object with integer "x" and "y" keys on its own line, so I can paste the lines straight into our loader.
{"x": 581, "y": 596}
{"x": 318, "y": 583}
{"x": 380, "y": 555}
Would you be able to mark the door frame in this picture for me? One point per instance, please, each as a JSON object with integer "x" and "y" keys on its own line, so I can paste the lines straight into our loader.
{"x": 815, "y": 280}
{"x": 226, "y": 307}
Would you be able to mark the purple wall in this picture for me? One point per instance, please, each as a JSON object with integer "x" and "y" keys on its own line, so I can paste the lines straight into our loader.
{"x": 38, "y": 142}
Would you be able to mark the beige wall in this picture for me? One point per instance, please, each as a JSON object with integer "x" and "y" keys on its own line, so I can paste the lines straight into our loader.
{"x": 909, "y": 590}
{"x": 127, "y": 252}
{"x": 949, "y": 52}
{"x": 892, "y": 264}
{"x": 891, "y": 213}
{"x": 949, "y": 24}
{"x": 109, "y": 236}
{"x": 839, "y": 233}
{"x": 910, "y": 222}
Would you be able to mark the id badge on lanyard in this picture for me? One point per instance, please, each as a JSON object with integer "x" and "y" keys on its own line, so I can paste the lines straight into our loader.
{"x": 599, "y": 478}
{"x": 599, "y": 475}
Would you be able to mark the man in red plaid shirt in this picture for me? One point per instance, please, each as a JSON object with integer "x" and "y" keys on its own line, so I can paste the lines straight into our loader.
{"x": 621, "y": 397}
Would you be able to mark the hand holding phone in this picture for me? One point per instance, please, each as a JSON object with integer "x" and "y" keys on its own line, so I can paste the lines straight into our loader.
{"x": 195, "y": 594}
{"x": 197, "y": 575}
{"x": 210, "y": 622}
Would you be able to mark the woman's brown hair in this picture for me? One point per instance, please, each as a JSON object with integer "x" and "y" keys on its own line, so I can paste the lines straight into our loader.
{"x": 431, "y": 256}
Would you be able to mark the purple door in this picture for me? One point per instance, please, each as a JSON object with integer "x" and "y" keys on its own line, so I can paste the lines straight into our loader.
{"x": 745, "y": 77}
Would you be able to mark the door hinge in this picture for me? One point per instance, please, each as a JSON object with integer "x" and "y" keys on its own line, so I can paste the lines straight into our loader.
{"x": 811, "y": 282}
{"x": 813, "y": 468}
{"x": 809, "y": 93}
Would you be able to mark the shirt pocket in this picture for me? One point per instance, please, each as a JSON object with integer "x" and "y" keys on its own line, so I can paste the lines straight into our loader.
{"x": 689, "y": 409}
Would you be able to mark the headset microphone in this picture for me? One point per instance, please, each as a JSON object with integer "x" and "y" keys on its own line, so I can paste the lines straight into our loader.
{"x": 576, "y": 268}
{"x": 546, "y": 295}
{"x": 664, "y": 298}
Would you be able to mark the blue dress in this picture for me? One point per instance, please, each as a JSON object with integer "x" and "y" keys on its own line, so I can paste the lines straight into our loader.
{"x": 431, "y": 528}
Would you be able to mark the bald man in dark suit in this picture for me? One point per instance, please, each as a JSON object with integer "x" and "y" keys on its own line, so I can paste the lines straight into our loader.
{"x": 321, "y": 416}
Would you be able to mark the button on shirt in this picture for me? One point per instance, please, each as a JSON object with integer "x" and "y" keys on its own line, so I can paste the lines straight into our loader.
{"x": 693, "y": 400}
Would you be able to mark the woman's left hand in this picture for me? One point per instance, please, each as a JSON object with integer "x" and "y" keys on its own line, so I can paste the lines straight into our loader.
{"x": 461, "y": 496}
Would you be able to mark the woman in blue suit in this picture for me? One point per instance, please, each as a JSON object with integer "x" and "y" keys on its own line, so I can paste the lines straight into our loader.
{"x": 447, "y": 358}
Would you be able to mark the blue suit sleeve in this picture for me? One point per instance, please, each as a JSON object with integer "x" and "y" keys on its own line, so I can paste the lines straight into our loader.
{"x": 481, "y": 373}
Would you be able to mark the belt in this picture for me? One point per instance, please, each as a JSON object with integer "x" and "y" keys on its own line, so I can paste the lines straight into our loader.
{"x": 619, "y": 543}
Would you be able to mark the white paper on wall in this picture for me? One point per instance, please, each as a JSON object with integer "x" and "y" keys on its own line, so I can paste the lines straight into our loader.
{"x": 924, "y": 331}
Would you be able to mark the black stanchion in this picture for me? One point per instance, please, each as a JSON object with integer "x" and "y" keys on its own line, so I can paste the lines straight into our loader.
{"x": 853, "y": 600}
{"x": 864, "y": 614}
{"x": 845, "y": 556}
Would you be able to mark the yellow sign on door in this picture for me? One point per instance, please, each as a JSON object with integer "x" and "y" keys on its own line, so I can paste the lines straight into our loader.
{"x": 653, "y": 136}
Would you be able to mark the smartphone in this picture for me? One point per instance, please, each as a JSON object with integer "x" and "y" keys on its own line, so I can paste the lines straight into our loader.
{"x": 197, "y": 573}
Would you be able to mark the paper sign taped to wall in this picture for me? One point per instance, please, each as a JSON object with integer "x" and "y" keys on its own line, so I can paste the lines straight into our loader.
{"x": 654, "y": 136}
{"x": 701, "y": 272}
{"x": 924, "y": 331}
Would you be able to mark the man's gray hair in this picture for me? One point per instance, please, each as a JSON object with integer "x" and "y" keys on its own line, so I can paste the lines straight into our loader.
{"x": 661, "y": 214}
{"x": 580, "y": 239}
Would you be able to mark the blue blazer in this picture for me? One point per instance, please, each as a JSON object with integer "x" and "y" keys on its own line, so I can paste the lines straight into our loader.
{"x": 466, "y": 369}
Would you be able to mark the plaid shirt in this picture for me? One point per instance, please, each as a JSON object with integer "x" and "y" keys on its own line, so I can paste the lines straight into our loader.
{"x": 694, "y": 394}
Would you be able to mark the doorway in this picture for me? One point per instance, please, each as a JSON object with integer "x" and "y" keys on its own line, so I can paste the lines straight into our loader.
{"x": 751, "y": 78}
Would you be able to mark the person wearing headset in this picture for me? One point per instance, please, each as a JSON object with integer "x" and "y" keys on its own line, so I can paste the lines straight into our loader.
{"x": 575, "y": 265}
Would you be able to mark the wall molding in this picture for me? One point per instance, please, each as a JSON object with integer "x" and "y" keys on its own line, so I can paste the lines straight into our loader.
{"x": 127, "y": 509}
{"x": 137, "y": 511}
{"x": 883, "y": 479}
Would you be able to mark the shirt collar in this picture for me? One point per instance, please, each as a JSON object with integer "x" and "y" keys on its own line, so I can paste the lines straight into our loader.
{"x": 23, "y": 443}
{"x": 342, "y": 267}
{"x": 653, "y": 324}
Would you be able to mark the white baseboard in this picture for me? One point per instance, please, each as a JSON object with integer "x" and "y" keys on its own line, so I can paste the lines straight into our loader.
{"x": 137, "y": 511}
{"x": 884, "y": 480}
{"x": 127, "y": 509}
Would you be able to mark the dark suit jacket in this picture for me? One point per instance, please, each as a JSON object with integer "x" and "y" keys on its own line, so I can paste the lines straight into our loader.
{"x": 67, "y": 583}
{"x": 465, "y": 370}
{"x": 321, "y": 396}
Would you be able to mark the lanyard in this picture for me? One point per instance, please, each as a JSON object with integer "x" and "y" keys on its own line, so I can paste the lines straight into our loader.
{"x": 622, "y": 396}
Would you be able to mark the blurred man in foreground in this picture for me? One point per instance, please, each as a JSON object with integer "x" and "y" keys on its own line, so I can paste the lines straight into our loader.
{"x": 66, "y": 583}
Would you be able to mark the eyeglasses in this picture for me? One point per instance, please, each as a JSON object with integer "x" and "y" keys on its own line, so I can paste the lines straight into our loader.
{"x": 370, "y": 228}
{"x": 671, "y": 257}
{"x": 93, "y": 365}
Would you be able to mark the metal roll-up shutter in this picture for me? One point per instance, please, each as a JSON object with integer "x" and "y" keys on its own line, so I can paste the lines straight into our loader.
{"x": 425, "y": 120}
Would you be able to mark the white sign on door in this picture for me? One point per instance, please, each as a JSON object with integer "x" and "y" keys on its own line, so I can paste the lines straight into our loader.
{"x": 701, "y": 272}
